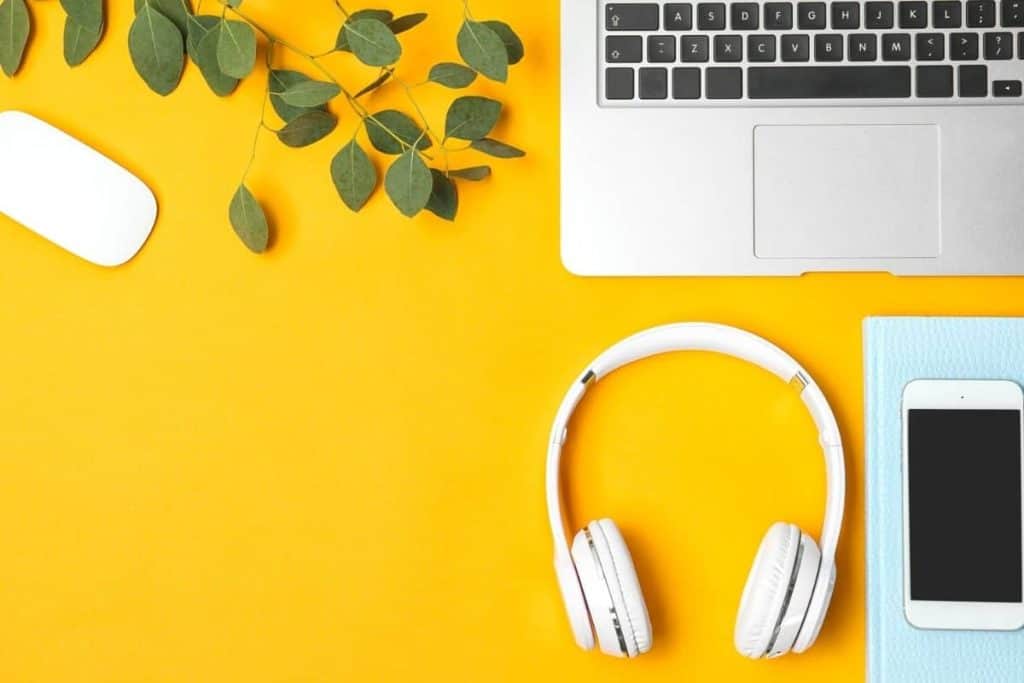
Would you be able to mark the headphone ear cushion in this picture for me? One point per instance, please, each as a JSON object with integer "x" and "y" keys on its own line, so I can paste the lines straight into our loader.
{"x": 612, "y": 589}
{"x": 764, "y": 594}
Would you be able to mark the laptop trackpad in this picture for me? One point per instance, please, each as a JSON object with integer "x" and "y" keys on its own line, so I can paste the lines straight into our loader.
{"x": 846, "y": 191}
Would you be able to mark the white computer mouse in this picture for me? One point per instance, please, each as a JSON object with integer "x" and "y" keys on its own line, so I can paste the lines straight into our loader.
{"x": 69, "y": 193}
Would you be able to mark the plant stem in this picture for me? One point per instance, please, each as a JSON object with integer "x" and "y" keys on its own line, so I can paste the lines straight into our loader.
{"x": 259, "y": 129}
{"x": 416, "y": 106}
{"x": 276, "y": 39}
{"x": 342, "y": 8}
{"x": 358, "y": 108}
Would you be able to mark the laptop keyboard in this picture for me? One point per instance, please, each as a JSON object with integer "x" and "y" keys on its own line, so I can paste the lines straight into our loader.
{"x": 715, "y": 53}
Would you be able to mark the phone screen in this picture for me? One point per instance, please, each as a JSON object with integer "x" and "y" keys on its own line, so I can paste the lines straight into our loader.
{"x": 964, "y": 484}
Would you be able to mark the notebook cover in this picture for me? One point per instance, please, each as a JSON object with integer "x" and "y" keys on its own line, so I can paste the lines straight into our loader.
{"x": 896, "y": 351}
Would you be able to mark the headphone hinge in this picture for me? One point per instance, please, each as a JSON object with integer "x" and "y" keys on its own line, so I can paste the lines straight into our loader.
{"x": 799, "y": 382}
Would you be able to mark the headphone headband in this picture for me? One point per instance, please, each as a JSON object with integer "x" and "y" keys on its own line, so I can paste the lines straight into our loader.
{"x": 722, "y": 339}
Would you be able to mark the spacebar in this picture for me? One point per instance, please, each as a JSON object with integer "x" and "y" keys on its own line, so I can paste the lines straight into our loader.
{"x": 820, "y": 82}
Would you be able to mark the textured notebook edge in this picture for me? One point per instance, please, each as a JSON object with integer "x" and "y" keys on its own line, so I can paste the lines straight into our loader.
{"x": 870, "y": 329}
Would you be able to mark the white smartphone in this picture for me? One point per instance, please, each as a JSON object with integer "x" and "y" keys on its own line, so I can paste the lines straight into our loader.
{"x": 963, "y": 518}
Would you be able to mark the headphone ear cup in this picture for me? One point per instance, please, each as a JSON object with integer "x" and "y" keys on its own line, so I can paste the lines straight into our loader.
{"x": 612, "y": 590}
{"x": 798, "y": 597}
{"x": 816, "y": 610}
{"x": 764, "y": 594}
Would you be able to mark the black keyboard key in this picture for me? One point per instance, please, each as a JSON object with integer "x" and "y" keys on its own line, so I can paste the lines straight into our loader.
{"x": 863, "y": 47}
{"x": 963, "y": 46}
{"x": 1013, "y": 13}
{"x": 934, "y": 81}
{"x": 828, "y": 48}
{"x": 624, "y": 49}
{"x": 724, "y": 83}
{"x": 686, "y": 83}
{"x": 998, "y": 46}
{"x": 728, "y": 48}
{"x": 896, "y": 47}
{"x": 981, "y": 14}
{"x": 845, "y": 15}
{"x": 913, "y": 15}
{"x": 778, "y": 16}
{"x": 947, "y": 14}
{"x": 653, "y": 83}
{"x": 678, "y": 16}
{"x": 744, "y": 16}
{"x": 878, "y": 15}
{"x": 618, "y": 83}
{"x": 711, "y": 16}
{"x": 1006, "y": 89}
{"x": 661, "y": 49}
{"x": 973, "y": 81}
{"x": 761, "y": 48}
{"x": 693, "y": 48}
{"x": 828, "y": 82}
{"x": 931, "y": 47}
{"x": 631, "y": 17}
{"x": 810, "y": 15}
{"x": 795, "y": 48}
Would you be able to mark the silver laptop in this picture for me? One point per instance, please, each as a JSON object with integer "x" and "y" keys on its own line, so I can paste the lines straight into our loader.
{"x": 778, "y": 138}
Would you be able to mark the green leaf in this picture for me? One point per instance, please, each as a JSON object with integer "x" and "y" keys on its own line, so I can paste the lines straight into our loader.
{"x": 248, "y": 220}
{"x": 472, "y": 173}
{"x": 444, "y": 197}
{"x": 482, "y": 49}
{"x": 87, "y": 14}
{"x": 409, "y": 183}
{"x": 205, "y": 57}
{"x": 354, "y": 175}
{"x": 281, "y": 80}
{"x": 377, "y": 82}
{"x": 403, "y": 24}
{"x": 156, "y": 49}
{"x": 307, "y": 128}
{"x": 198, "y": 27}
{"x": 14, "y": 28}
{"x": 471, "y": 118}
{"x": 382, "y": 15}
{"x": 310, "y": 93}
{"x": 402, "y": 127}
{"x": 452, "y": 75}
{"x": 513, "y": 45}
{"x": 372, "y": 42}
{"x": 497, "y": 149}
{"x": 177, "y": 11}
{"x": 236, "y": 48}
{"x": 79, "y": 41}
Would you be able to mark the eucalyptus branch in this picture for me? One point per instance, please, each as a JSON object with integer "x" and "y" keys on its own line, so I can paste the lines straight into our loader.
{"x": 280, "y": 41}
{"x": 259, "y": 129}
{"x": 342, "y": 8}
{"x": 166, "y": 34}
{"x": 416, "y": 106}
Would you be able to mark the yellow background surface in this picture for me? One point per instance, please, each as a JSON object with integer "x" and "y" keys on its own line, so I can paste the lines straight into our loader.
{"x": 326, "y": 463}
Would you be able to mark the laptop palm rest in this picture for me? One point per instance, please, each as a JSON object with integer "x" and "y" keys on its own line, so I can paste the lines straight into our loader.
{"x": 846, "y": 191}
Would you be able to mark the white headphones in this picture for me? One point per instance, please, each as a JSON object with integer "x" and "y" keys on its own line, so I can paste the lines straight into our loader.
{"x": 790, "y": 585}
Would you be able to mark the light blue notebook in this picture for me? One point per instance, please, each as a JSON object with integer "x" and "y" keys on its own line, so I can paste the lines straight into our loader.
{"x": 896, "y": 351}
